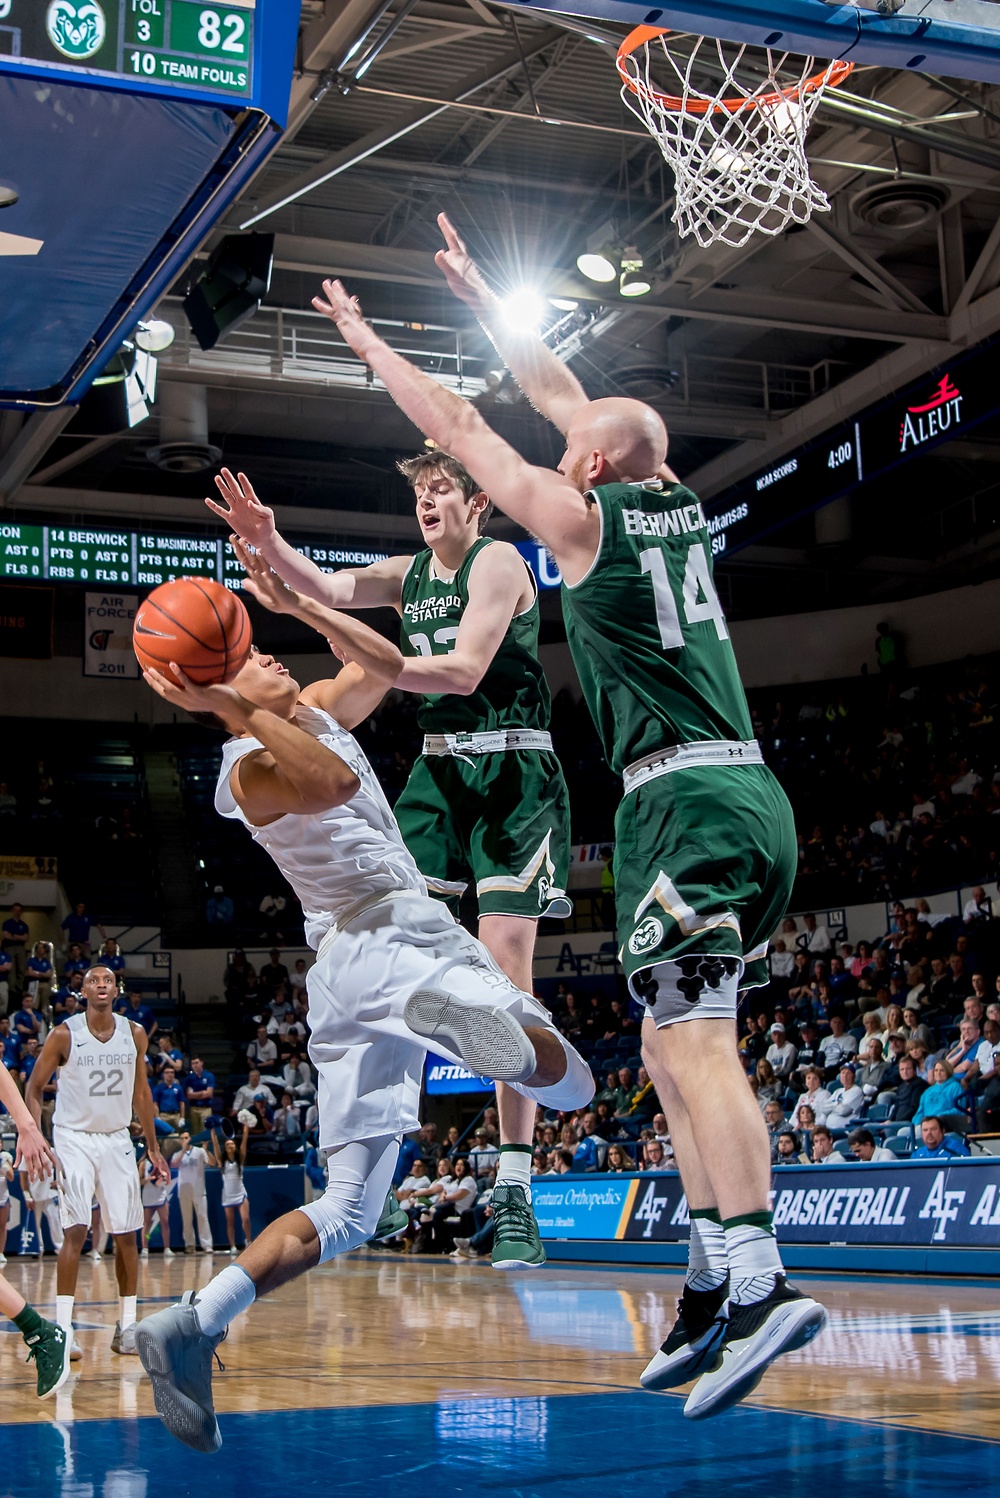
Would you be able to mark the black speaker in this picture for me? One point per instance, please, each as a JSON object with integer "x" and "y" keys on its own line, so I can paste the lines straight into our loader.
{"x": 231, "y": 287}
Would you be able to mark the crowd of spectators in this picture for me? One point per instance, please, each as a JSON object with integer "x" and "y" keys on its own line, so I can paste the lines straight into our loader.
{"x": 901, "y": 1034}
{"x": 273, "y": 1084}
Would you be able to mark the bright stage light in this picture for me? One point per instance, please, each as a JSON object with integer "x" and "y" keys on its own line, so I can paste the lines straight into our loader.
{"x": 563, "y": 304}
{"x": 523, "y": 309}
{"x": 154, "y": 335}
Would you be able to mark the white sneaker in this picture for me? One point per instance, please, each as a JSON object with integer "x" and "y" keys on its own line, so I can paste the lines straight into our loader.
{"x": 233, "y": 1252}
{"x": 95, "y": 1257}
{"x": 168, "y": 1253}
{"x": 462, "y": 1242}
{"x": 144, "y": 1254}
{"x": 489, "y": 1040}
{"x": 208, "y": 1250}
{"x": 3, "y": 1260}
{"x": 756, "y": 1334}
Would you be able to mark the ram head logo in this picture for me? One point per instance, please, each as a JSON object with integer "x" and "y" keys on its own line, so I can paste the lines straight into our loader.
{"x": 76, "y": 28}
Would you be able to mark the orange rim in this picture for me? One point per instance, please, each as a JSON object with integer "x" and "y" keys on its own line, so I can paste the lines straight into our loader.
{"x": 833, "y": 74}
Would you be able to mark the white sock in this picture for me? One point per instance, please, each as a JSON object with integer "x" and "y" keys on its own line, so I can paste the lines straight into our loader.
{"x": 514, "y": 1167}
{"x": 707, "y": 1261}
{"x": 754, "y": 1260}
{"x": 126, "y": 1310}
{"x": 64, "y": 1311}
{"x": 223, "y": 1299}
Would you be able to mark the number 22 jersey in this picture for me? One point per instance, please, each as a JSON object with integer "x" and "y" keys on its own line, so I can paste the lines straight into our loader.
{"x": 646, "y": 628}
{"x": 97, "y": 1081}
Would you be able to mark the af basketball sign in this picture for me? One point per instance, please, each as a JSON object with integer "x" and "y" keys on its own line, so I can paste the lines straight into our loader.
{"x": 107, "y": 635}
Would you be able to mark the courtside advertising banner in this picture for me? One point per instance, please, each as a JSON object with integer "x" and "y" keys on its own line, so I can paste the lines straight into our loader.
{"x": 952, "y": 1204}
{"x": 107, "y": 635}
{"x": 444, "y": 1079}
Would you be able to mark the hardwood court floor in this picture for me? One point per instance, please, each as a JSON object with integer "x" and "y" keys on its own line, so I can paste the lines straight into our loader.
{"x": 453, "y": 1378}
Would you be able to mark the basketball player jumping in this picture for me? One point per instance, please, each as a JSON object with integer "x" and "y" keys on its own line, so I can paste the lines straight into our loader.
{"x": 487, "y": 796}
{"x": 705, "y": 843}
{"x": 101, "y": 1059}
{"x": 299, "y": 783}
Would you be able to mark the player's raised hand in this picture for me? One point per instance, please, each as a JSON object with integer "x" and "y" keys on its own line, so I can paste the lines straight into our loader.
{"x": 241, "y": 509}
{"x": 264, "y": 583}
{"x": 460, "y": 270}
{"x": 345, "y": 311}
{"x": 180, "y": 691}
{"x": 33, "y": 1154}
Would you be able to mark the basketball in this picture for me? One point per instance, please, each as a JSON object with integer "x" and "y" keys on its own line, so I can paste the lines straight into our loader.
{"x": 197, "y": 623}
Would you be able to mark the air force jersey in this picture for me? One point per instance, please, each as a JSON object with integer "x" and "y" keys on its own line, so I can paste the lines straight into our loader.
{"x": 332, "y": 859}
{"x": 97, "y": 1081}
{"x": 646, "y": 629}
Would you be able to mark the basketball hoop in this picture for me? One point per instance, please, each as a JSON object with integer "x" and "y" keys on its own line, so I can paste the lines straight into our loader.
{"x": 738, "y": 154}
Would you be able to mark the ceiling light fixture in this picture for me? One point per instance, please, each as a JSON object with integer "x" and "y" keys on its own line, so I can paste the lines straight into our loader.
{"x": 598, "y": 265}
{"x": 634, "y": 280}
{"x": 154, "y": 335}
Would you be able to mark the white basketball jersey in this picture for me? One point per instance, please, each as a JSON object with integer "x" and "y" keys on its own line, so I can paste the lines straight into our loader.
{"x": 333, "y": 859}
{"x": 97, "y": 1082}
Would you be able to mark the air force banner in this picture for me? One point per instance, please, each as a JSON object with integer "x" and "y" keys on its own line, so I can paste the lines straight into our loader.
{"x": 107, "y": 635}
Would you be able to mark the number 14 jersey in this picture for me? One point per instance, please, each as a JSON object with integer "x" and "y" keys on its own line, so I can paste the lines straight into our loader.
{"x": 97, "y": 1081}
{"x": 646, "y": 629}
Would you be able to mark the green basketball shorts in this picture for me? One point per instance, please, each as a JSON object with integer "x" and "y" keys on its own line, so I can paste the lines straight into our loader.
{"x": 500, "y": 819}
{"x": 704, "y": 863}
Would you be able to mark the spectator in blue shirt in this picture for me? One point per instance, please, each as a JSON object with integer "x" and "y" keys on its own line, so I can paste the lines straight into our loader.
{"x": 109, "y": 956}
{"x": 592, "y": 1148}
{"x": 27, "y": 1024}
{"x": 168, "y": 1096}
{"x": 29, "y": 1055}
{"x": 10, "y": 1043}
{"x": 77, "y": 928}
{"x": 168, "y": 1054}
{"x": 71, "y": 988}
{"x": 936, "y": 1144}
{"x": 136, "y": 1010}
{"x": 199, "y": 1088}
{"x": 944, "y": 1099}
{"x": 219, "y": 910}
{"x": 40, "y": 974}
{"x": 15, "y": 938}
{"x": 76, "y": 961}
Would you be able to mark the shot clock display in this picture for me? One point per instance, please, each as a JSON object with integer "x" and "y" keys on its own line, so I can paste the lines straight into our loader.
{"x": 184, "y": 42}
{"x": 116, "y": 557}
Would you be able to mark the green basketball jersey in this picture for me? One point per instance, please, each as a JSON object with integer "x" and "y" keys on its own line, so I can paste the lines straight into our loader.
{"x": 647, "y": 631}
{"x": 512, "y": 694}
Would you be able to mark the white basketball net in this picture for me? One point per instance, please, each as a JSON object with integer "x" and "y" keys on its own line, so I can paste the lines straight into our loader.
{"x": 739, "y": 167}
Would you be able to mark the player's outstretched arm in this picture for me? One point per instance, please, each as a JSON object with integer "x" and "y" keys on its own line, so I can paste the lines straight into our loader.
{"x": 376, "y": 586}
{"x": 497, "y": 583}
{"x": 293, "y": 774}
{"x": 142, "y": 1105}
{"x": 545, "y": 503}
{"x": 550, "y": 386}
{"x": 371, "y": 662}
{"x": 33, "y": 1154}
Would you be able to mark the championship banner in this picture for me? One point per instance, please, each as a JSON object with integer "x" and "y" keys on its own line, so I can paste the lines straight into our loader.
{"x": 107, "y": 635}
{"x": 28, "y": 880}
{"x": 903, "y": 1205}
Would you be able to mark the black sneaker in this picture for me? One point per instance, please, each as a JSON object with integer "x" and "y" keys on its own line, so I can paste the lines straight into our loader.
{"x": 756, "y": 1335}
{"x": 694, "y": 1341}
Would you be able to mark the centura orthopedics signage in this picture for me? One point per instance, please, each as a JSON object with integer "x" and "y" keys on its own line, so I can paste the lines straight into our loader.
{"x": 906, "y": 1204}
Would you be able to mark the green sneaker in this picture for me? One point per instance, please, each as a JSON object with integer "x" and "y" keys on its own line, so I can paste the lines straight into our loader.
{"x": 392, "y": 1221}
{"x": 48, "y": 1351}
{"x": 516, "y": 1243}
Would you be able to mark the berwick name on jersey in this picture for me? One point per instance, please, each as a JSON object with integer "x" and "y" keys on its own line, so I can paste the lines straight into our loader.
{"x": 685, "y": 520}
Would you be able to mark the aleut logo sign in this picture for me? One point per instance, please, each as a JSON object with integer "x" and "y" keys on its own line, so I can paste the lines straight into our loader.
{"x": 921, "y": 423}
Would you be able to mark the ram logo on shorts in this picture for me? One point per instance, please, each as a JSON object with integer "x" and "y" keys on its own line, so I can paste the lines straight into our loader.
{"x": 647, "y": 935}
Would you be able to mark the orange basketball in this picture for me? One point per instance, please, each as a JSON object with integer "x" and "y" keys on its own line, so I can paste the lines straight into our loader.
{"x": 197, "y": 623}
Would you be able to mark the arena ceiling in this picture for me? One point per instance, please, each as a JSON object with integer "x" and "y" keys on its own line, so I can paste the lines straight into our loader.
{"x": 745, "y": 352}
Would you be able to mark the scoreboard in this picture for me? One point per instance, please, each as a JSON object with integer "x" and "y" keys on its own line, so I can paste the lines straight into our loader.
{"x": 118, "y": 557}
{"x": 183, "y": 43}
{"x": 944, "y": 404}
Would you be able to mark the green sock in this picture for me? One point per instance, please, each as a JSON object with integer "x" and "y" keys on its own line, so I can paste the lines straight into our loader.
{"x": 28, "y": 1322}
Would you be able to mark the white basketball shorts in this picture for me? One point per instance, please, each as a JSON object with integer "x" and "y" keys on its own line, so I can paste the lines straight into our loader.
{"x": 369, "y": 1062}
{"x": 101, "y": 1166}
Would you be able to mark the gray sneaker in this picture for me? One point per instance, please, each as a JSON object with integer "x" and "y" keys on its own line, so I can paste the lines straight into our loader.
{"x": 177, "y": 1355}
{"x": 489, "y": 1040}
{"x": 124, "y": 1341}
